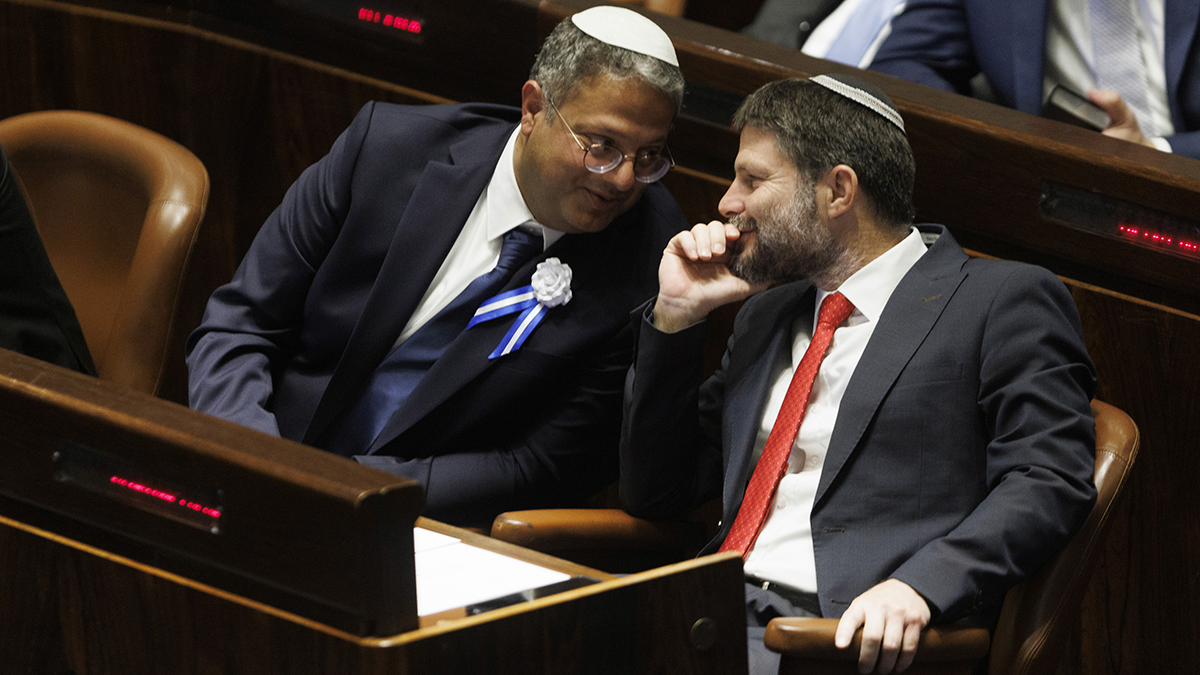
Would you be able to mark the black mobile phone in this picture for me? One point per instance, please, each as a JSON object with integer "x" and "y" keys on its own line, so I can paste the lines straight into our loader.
{"x": 1065, "y": 105}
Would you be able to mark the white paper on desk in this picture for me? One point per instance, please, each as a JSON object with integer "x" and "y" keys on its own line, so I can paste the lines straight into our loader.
{"x": 458, "y": 574}
{"x": 424, "y": 539}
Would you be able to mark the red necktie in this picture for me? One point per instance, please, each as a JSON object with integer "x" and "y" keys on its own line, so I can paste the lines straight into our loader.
{"x": 773, "y": 462}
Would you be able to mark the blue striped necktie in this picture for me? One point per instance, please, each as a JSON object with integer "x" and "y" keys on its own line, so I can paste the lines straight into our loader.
{"x": 402, "y": 370}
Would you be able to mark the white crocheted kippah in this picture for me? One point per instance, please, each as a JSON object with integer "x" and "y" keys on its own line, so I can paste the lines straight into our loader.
{"x": 627, "y": 29}
{"x": 863, "y": 93}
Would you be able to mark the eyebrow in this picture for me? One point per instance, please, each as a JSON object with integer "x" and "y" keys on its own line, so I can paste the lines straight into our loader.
{"x": 752, "y": 168}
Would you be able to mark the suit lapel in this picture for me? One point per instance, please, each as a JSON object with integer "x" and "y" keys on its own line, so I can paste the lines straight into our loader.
{"x": 436, "y": 213}
{"x": 464, "y": 360}
{"x": 467, "y": 357}
{"x": 749, "y": 382}
{"x": 909, "y": 315}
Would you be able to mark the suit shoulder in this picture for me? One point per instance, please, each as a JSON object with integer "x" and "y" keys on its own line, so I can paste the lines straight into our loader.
{"x": 767, "y": 307}
{"x": 1005, "y": 272}
{"x": 653, "y": 220}
{"x": 665, "y": 212}
{"x": 426, "y": 121}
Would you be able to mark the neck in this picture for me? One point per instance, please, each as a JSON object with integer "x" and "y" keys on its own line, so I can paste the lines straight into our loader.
{"x": 863, "y": 240}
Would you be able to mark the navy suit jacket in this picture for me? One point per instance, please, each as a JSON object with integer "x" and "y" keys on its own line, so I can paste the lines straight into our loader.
{"x": 36, "y": 318}
{"x": 335, "y": 272}
{"x": 963, "y": 450}
{"x": 944, "y": 43}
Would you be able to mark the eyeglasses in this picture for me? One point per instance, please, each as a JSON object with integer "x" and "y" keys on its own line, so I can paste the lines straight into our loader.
{"x": 648, "y": 165}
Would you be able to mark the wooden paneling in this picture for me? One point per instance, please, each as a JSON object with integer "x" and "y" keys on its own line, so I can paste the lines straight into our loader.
{"x": 74, "y": 608}
{"x": 1142, "y": 612}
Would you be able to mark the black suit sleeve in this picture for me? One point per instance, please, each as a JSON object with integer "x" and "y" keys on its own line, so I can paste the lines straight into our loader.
{"x": 36, "y": 318}
{"x": 671, "y": 441}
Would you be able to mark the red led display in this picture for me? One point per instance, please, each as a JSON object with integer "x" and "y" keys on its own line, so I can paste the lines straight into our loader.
{"x": 389, "y": 20}
{"x": 165, "y": 496}
{"x": 1147, "y": 236}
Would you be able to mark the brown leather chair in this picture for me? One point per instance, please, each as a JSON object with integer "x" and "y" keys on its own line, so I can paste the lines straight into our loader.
{"x": 119, "y": 208}
{"x": 1029, "y": 637}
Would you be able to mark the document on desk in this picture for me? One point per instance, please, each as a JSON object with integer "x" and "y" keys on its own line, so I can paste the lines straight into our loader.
{"x": 452, "y": 574}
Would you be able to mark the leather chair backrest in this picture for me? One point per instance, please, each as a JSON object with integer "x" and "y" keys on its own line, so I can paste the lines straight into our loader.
{"x": 1031, "y": 634}
{"x": 118, "y": 207}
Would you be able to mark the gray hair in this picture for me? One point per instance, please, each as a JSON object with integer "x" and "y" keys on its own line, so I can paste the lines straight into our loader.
{"x": 570, "y": 56}
{"x": 819, "y": 129}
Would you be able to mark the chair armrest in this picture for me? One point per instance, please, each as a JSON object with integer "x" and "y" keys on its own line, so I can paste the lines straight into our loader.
{"x": 812, "y": 639}
{"x": 594, "y": 529}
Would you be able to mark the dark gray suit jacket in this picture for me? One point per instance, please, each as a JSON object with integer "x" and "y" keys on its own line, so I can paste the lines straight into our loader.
{"x": 963, "y": 450}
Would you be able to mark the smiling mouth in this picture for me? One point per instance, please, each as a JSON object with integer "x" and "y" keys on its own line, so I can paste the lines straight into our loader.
{"x": 604, "y": 200}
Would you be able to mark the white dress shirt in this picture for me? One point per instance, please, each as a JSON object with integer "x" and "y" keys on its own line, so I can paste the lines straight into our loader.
{"x": 1070, "y": 59}
{"x": 783, "y": 552}
{"x": 476, "y": 251}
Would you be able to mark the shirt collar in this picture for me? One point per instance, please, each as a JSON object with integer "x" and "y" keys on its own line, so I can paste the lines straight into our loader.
{"x": 870, "y": 288}
{"x": 506, "y": 208}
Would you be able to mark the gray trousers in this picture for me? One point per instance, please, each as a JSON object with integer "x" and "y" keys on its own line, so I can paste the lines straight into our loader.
{"x": 762, "y": 606}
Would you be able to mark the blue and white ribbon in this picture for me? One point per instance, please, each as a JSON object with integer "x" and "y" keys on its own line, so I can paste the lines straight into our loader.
{"x": 517, "y": 300}
{"x": 550, "y": 286}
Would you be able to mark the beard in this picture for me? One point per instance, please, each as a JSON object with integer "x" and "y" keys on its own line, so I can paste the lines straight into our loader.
{"x": 790, "y": 243}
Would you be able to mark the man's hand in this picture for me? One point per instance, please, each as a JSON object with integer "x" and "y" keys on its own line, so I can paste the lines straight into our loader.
{"x": 892, "y": 615}
{"x": 693, "y": 278}
{"x": 1123, "y": 123}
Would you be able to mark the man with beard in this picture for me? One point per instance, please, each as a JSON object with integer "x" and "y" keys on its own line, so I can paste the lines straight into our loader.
{"x": 922, "y": 446}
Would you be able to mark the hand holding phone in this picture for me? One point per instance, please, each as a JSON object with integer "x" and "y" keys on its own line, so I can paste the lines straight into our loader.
{"x": 1067, "y": 106}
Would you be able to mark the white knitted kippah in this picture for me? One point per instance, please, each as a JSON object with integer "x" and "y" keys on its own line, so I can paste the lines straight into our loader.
{"x": 627, "y": 29}
{"x": 863, "y": 93}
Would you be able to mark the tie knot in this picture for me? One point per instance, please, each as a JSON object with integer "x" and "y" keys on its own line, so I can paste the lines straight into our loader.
{"x": 835, "y": 308}
{"x": 519, "y": 246}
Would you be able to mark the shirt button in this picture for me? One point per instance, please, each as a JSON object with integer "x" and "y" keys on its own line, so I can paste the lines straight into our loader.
{"x": 780, "y": 503}
{"x": 813, "y": 462}
{"x": 799, "y": 457}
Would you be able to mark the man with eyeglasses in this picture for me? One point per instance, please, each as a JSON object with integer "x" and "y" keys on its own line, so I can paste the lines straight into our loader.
{"x": 445, "y": 296}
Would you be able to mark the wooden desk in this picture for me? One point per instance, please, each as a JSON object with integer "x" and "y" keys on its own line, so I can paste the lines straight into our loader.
{"x": 95, "y": 583}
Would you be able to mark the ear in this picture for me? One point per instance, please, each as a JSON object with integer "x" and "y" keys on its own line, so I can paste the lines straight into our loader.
{"x": 842, "y": 183}
{"x": 532, "y": 103}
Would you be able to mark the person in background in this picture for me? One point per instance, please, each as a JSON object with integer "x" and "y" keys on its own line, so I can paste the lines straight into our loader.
{"x": 1137, "y": 60}
{"x": 846, "y": 31}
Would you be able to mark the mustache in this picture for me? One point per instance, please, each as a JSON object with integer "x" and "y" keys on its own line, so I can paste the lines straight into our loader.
{"x": 743, "y": 222}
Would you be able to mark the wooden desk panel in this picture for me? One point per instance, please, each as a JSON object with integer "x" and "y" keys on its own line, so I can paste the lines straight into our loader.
{"x": 71, "y": 607}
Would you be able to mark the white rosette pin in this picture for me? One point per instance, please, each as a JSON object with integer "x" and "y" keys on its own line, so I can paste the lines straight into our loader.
{"x": 552, "y": 283}
{"x": 549, "y": 287}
